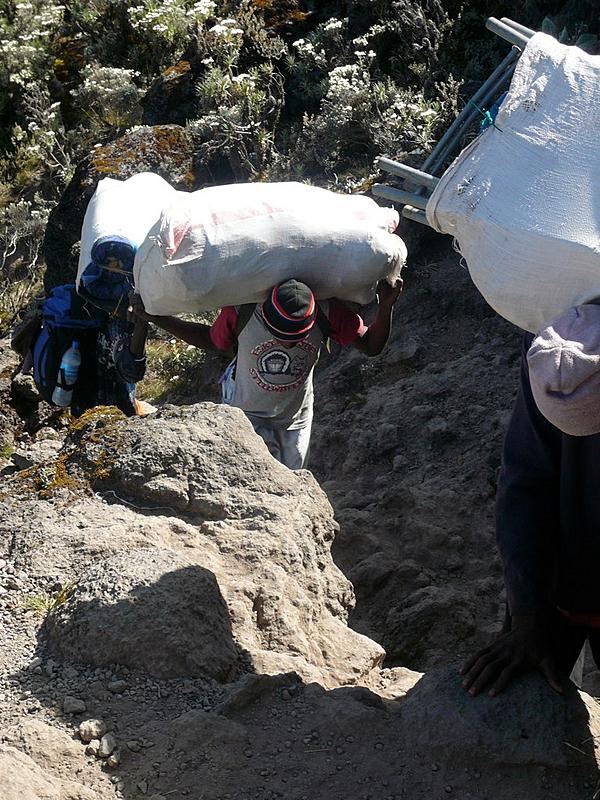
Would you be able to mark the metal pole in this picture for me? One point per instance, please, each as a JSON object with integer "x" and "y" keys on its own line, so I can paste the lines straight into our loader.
{"x": 467, "y": 114}
{"x": 415, "y": 215}
{"x": 518, "y": 27}
{"x": 404, "y": 171}
{"x": 506, "y": 32}
{"x": 484, "y": 100}
{"x": 399, "y": 195}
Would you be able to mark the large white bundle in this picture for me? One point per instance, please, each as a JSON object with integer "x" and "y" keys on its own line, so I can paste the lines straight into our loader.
{"x": 122, "y": 210}
{"x": 227, "y": 245}
{"x": 523, "y": 202}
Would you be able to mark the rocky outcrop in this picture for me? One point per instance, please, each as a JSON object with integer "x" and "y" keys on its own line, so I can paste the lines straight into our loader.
{"x": 199, "y": 554}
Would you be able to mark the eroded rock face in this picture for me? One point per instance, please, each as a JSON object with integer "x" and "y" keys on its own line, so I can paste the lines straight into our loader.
{"x": 196, "y": 548}
{"x": 163, "y": 149}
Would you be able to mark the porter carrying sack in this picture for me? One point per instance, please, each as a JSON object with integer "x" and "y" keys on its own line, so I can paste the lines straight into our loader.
{"x": 228, "y": 245}
{"x": 116, "y": 222}
{"x": 522, "y": 200}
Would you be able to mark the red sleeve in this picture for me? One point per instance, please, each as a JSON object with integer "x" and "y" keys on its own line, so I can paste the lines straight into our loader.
{"x": 222, "y": 331}
{"x": 346, "y": 326}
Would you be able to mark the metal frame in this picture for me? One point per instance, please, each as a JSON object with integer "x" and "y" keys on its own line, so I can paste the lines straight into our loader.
{"x": 425, "y": 179}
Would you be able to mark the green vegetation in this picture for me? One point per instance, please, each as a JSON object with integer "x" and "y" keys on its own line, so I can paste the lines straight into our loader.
{"x": 6, "y": 450}
{"x": 44, "y": 603}
{"x": 267, "y": 89}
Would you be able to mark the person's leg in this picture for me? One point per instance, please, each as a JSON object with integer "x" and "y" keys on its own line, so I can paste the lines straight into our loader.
{"x": 295, "y": 446}
{"x": 594, "y": 639}
{"x": 567, "y": 646}
{"x": 227, "y": 381}
{"x": 270, "y": 438}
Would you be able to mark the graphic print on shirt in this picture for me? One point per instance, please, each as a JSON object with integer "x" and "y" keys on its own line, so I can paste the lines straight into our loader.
{"x": 281, "y": 369}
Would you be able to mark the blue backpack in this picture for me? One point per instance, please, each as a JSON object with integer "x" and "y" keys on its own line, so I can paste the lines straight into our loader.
{"x": 67, "y": 317}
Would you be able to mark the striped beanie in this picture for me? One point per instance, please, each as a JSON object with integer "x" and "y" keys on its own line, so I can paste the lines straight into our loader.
{"x": 290, "y": 310}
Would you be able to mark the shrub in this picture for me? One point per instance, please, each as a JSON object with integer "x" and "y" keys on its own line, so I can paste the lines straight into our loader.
{"x": 22, "y": 226}
{"x": 108, "y": 97}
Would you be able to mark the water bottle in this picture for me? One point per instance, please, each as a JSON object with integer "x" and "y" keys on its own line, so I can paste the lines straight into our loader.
{"x": 67, "y": 376}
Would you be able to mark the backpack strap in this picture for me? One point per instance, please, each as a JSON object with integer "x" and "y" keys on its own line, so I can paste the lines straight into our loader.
{"x": 244, "y": 315}
{"x": 324, "y": 324}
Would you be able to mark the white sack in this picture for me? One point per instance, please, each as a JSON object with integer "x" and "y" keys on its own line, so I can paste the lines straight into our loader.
{"x": 523, "y": 202}
{"x": 125, "y": 209}
{"x": 228, "y": 245}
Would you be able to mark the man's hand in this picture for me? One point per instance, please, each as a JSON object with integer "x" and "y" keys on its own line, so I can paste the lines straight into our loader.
{"x": 136, "y": 310}
{"x": 523, "y": 648}
{"x": 388, "y": 293}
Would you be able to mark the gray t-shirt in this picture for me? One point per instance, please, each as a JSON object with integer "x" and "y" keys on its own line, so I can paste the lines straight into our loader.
{"x": 274, "y": 381}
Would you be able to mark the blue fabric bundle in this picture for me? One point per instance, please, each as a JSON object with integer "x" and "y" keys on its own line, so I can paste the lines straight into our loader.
{"x": 109, "y": 275}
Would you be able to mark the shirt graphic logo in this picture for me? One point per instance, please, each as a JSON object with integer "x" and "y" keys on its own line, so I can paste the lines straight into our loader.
{"x": 275, "y": 362}
{"x": 282, "y": 369}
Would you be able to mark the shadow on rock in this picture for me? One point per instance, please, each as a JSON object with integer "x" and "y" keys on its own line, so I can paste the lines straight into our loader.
{"x": 147, "y": 609}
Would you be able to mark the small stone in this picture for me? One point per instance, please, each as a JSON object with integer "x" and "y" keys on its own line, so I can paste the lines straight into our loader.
{"x": 143, "y": 787}
{"x": 113, "y": 760}
{"x": 108, "y": 743}
{"x": 116, "y": 687}
{"x": 435, "y": 767}
{"x": 70, "y": 673}
{"x": 134, "y": 745}
{"x": 34, "y": 663}
{"x": 93, "y": 747}
{"x": 73, "y": 705}
{"x": 92, "y": 729}
{"x": 285, "y": 695}
{"x": 448, "y": 789}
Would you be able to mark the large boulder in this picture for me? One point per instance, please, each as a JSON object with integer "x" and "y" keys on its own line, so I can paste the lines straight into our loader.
{"x": 188, "y": 515}
{"x": 163, "y": 149}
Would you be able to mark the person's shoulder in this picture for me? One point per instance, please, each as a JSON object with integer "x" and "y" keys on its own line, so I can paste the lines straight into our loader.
{"x": 346, "y": 325}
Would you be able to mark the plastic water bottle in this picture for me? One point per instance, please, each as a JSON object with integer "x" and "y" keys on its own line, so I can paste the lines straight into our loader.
{"x": 67, "y": 376}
